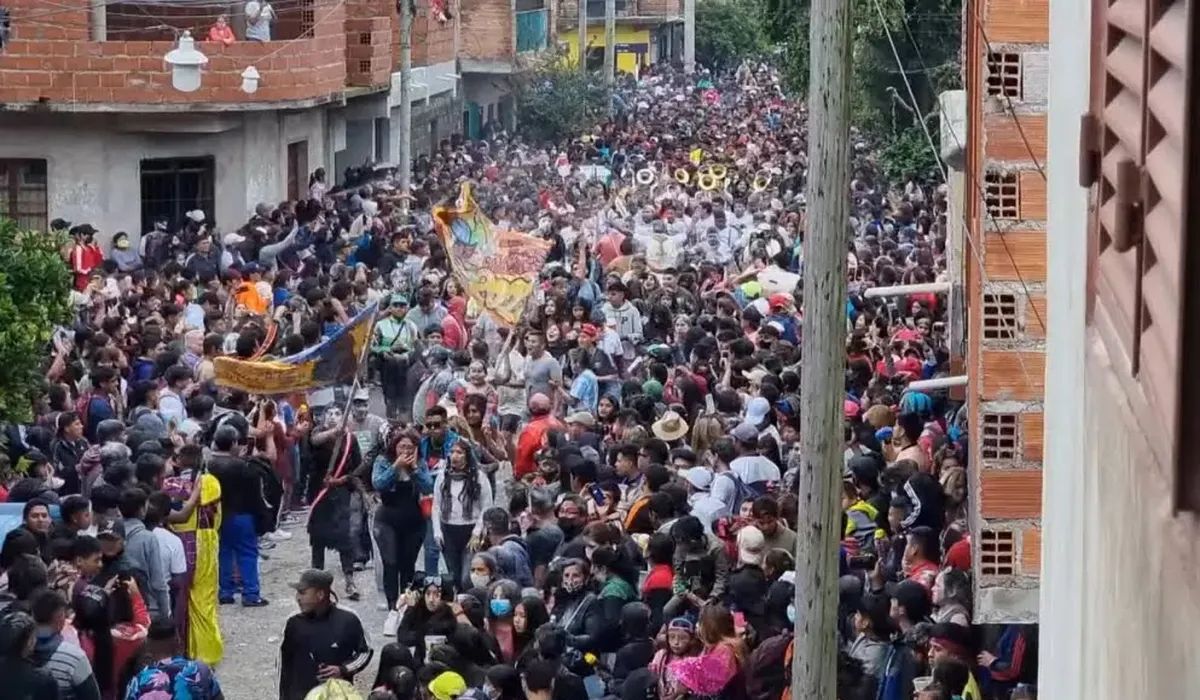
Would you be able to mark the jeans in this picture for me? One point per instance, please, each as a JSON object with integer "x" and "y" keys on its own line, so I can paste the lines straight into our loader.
{"x": 239, "y": 544}
{"x": 432, "y": 551}
{"x": 455, "y": 539}
{"x": 398, "y": 547}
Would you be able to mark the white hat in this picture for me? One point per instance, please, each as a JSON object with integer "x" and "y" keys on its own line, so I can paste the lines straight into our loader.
{"x": 700, "y": 477}
{"x": 196, "y": 215}
{"x": 233, "y": 238}
{"x": 362, "y": 394}
{"x": 750, "y": 545}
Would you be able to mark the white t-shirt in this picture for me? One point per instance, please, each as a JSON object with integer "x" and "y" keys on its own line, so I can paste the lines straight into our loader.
{"x": 170, "y": 551}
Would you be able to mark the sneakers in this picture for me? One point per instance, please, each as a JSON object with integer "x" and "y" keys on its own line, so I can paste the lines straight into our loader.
{"x": 279, "y": 536}
{"x": 261, "y": 602}
{"x": 352, "y": 590}
{"x": 226, "y": 601}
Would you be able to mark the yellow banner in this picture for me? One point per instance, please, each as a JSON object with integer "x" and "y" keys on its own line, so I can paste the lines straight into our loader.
{"x": 334, "y": 361}
{"x": 498, "y": 269}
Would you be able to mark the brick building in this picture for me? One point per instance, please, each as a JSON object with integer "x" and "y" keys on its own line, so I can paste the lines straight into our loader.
{"x": 500, "y": 40}
{"x": 1004, "y": 205}
{"x": 92, "y": 130}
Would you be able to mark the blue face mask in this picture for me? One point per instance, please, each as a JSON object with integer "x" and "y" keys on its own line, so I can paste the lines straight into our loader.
{"x": 500, "y": 607}
{"x": 791, "y": 613}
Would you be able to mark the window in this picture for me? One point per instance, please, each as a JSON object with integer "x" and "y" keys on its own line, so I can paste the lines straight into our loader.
{"x": 364, "y": 66}
{"x": 997, "y": 553}
{"x": 297, "y": 170}
{"x": 999, "y": 315}
{"x": 171, "y": 187}
{"x": 23, "y": 192}
{"x": 1004, "y": 75}
{"x": 1002, "y": 195}
{"x": 999, "y": 438}
{"x": 382, "y": 134}
{"x": 1145, "y": 277}
{"x": 364, "y": 38}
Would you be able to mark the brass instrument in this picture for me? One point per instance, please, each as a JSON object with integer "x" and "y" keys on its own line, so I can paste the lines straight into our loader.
{"x": 645, "y": 176}
{"x": 707, "y": 181}
{"x": 761, "y": 181}
{"x": 718, "y": 171}
{"x": 682, "y": 176}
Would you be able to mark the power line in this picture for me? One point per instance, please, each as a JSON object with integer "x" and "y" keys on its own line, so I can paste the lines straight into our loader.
{"x": 966, "y": 225}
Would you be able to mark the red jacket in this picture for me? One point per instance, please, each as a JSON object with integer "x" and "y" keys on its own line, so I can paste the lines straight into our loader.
{"x": 530, "y": 442}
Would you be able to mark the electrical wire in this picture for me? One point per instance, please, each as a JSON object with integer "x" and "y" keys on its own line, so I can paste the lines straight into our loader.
{"x": 921, "y": 119}
{"x": 1007, "y": 99}
{"x": 960, "y": 145}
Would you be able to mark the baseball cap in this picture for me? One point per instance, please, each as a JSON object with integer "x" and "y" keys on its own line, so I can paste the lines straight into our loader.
{"x": 700, "y": 477}
{"x": 313, "y": 578}
{"x": 447, "y": 686}
{"x": 582, "y": 418}
{"x": 60, "y": 225}
{"x": 745, "y": 432}
{"x": 398, "y": 299}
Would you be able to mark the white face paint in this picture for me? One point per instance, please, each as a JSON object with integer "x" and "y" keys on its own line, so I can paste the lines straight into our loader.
{"x": 333, "y": 417}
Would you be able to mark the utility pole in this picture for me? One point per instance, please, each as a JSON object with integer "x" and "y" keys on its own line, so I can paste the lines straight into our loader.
{"x": 814, "y": 663}
{"x": 583, "y": 40}
{"x": 610, "y": 43}
{"x": 404, "y": 167}
{"x": 689, "y": 36}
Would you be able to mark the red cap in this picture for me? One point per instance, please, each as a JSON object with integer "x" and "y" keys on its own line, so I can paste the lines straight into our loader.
{"x": 589, "y": 330}
{"x": 959, "y": 555}
{"x": 779, "y": 300}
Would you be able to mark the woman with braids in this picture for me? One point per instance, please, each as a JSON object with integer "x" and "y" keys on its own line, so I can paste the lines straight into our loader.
{"x": 461, "y": 493}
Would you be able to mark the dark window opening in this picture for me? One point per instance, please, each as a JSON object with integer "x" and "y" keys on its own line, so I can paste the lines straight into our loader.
{"x": 171, "y": 187}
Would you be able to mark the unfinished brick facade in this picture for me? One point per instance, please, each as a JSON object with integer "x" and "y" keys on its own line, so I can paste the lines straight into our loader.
{"x": 1005, "y": 76}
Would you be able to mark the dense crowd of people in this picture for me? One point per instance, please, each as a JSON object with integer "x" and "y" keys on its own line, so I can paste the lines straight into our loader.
{"x": 599, "y": 499}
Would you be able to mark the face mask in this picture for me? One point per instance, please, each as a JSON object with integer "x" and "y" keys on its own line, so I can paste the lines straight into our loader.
{"x": 572, "y": 586}
{"x": 122, "y": 244}
{"x": 791, "y": 613}
{"x": 480, "y": 580}
{"x": 500, "y": 607}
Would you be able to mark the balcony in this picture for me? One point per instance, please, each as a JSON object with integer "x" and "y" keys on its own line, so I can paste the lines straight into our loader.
{"x": 60, "y": 65}
{"x": 533, "y": 30}
{"x": 638, "y": 11}
{"x": 498, "y": 39}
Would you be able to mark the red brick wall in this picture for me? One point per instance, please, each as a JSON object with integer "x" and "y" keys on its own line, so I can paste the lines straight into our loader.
{"x": 58, "y": 64}
{"x": 432, "y": 39}
{"x": 487, "y": 30}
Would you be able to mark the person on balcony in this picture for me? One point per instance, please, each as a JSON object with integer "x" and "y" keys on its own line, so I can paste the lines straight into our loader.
{"x": 221, "y": 31}
{"x": 259, "y": 16}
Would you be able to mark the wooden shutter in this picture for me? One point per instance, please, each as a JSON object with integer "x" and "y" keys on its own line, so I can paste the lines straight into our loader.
{"x": 1136, "y": 152}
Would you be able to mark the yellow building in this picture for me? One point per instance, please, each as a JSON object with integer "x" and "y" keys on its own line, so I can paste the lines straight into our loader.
{"x": 647, "y": 32}
{"x": 632, "y": 44}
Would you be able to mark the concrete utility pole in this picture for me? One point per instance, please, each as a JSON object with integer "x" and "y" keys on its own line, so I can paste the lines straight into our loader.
{"x": 689, "y": 36}
{"x": 814, "y": 663}
{"x": 610, "y": 42}
{"x": 404, "y": 167}
{"x": 583, "y": 40}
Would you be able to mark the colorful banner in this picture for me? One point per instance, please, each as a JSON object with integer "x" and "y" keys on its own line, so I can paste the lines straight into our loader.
{"x": 334, "y": 361}
{"x": 497, "y": 268}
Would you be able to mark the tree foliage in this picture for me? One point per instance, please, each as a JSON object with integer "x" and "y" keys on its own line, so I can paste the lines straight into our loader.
{"x": 34, "y": 298}
{"x": 927, "y": 37}
{"x": 728, "y": 31}
{"x": 556, "y": 101}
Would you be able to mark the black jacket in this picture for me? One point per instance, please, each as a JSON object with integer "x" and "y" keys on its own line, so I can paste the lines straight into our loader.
{"x": 24, "y": 681}
{"x": 335, "y": 638}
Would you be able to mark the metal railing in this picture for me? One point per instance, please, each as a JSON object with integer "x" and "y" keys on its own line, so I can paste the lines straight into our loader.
{"x": 533, "y": 30}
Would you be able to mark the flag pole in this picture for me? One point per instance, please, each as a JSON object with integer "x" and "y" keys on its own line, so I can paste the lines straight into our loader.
{"x": 335, "y": 468}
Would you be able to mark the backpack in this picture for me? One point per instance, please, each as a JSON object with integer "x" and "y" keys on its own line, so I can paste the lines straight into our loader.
{"x": 741, "y": 492}
{"x": 83, "y": 407}
{"x": 769, "y": 669}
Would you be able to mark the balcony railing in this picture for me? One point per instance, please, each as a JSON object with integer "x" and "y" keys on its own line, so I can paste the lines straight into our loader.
{"x": 532, "y": 30}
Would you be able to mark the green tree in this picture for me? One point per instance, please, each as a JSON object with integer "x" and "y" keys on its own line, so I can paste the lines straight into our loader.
{"x": 34, "y": 298}
{"x": 556, "y": 101}
{"x": 728, "y": 31}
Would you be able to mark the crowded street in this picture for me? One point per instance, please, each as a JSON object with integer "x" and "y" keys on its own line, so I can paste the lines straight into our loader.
{"x": 531, "y": 430}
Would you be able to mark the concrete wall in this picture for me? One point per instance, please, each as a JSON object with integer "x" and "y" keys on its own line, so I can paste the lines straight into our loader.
{"x": 1068, "y": 475}
{"x": 93, "y": 161}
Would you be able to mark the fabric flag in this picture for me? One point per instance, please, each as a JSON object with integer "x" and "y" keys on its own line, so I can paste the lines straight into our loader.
{"x": 334, "y": 361}
{"x": 497, "y": 268}
{"x": 696, "y": 156}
